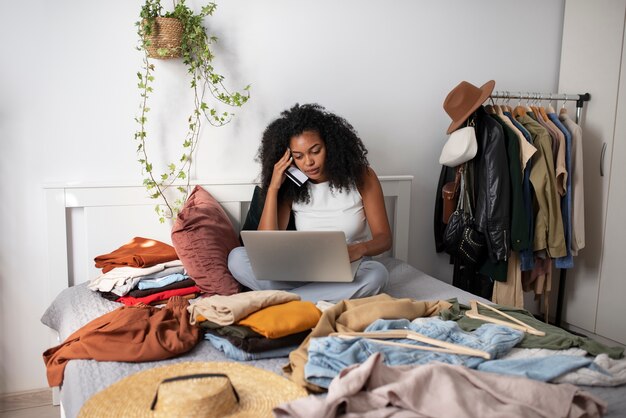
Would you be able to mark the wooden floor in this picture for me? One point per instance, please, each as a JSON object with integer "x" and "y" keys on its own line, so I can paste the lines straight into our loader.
{"x": 32, "y": 404}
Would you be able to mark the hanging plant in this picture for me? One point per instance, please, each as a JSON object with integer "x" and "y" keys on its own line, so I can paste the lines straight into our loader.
{"x": 172, "y": 185}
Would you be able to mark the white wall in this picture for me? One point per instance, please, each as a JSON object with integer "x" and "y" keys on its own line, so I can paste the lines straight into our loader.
{"x": 68, "y": 97}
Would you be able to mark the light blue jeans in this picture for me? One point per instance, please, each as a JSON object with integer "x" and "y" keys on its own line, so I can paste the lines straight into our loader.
{"x": 370, "y": 279}
{"x": 161, "y": 282}
{"x": 329, "y": 355}
{"x": 544, "y": 369}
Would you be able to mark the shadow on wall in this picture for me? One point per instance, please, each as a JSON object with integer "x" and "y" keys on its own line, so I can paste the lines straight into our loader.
{"x": 5, "y": 154}
{"x": 5, "y": 340}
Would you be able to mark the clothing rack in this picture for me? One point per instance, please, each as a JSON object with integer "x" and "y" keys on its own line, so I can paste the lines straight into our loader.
{"x": 580, "y": 100}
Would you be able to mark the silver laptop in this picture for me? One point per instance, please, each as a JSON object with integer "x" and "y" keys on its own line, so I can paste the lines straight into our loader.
{"x": 301, "y": 256}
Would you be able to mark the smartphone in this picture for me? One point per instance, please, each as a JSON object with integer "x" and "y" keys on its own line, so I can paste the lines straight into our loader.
{"x": 294, "y": 174}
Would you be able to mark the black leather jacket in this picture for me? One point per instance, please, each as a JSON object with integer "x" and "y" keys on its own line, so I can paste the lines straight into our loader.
{"x": 492, "y": 186}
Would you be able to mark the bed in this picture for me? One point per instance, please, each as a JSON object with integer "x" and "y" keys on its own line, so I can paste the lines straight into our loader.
{"x": 88, "y": 220}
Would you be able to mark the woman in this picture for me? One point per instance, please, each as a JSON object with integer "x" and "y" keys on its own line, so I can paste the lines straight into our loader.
{"x": 342, "y": 193}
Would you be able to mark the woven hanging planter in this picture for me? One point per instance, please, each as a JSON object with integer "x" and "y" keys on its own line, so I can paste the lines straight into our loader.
{"x": 165, "y": 39}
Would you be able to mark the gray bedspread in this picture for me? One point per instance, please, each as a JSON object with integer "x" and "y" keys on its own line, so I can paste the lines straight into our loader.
{"x": 78, "y": 305}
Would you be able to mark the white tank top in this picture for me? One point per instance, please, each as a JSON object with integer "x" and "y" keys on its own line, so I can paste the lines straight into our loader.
{"x": 332, "y": 211}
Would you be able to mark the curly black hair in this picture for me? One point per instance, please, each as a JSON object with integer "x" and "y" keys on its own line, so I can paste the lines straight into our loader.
{"x": 346, "y": 156}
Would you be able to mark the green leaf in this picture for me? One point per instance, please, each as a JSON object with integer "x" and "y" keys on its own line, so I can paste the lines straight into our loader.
{"x": 149, "y": 168}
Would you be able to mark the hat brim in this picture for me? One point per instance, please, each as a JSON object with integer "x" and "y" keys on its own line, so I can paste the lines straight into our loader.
{"x": 486, "y": 88}
{"x": 259, "y": 390}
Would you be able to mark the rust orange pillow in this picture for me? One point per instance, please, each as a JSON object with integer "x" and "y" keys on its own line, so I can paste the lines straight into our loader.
{"x": 203, "y": 236}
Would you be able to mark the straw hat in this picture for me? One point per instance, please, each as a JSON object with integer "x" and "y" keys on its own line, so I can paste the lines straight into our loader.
{"x": 194, "y": 389}
{"x": 463, "y": 100}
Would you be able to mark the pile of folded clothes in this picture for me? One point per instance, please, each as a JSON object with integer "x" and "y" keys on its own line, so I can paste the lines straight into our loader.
{"x": 142, "y": 271}
{"x": 255, "y": 325}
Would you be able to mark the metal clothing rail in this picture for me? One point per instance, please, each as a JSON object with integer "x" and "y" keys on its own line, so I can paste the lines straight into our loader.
{"x": 580, "y": 100}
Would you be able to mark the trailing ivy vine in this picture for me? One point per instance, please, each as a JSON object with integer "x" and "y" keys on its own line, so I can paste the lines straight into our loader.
{"x": 208, "y": 88}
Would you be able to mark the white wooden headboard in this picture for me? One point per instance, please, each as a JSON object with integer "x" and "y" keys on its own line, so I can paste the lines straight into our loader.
{"x": 88, "y": 220}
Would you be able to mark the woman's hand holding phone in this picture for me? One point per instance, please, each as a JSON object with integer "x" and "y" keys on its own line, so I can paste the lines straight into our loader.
{"x": 278, "y": 176}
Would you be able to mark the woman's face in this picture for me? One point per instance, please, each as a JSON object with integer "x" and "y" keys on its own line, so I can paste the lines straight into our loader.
{"x": 309, "y": 154}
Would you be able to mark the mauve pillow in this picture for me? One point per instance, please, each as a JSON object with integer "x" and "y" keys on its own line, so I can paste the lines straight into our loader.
{"x": 203, "y": 236}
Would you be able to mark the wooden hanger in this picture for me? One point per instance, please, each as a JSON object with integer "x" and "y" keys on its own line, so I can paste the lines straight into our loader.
{"x": 474, "y": 314}
{"x": 550, "y": 109}
{"x": 492, "y": 108}
{"x": 519, "y": 111}
{"x": 527, "y": 107}
{"x": 542, "y": 112}
{"x": 563, "y": 110}
{"x": 534, "y": 110}
{"x": 437, "y": 345}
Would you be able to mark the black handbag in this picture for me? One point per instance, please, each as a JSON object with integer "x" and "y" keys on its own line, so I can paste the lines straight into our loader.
{"x": 472, "y": 248}
{"x": 458, "y": 220}
{"x": 460, "y": 237}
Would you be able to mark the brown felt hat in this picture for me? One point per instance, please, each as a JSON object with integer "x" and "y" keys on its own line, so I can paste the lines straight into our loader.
{"x": 194, "y": 389}
{"x": 463, "y": 100}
